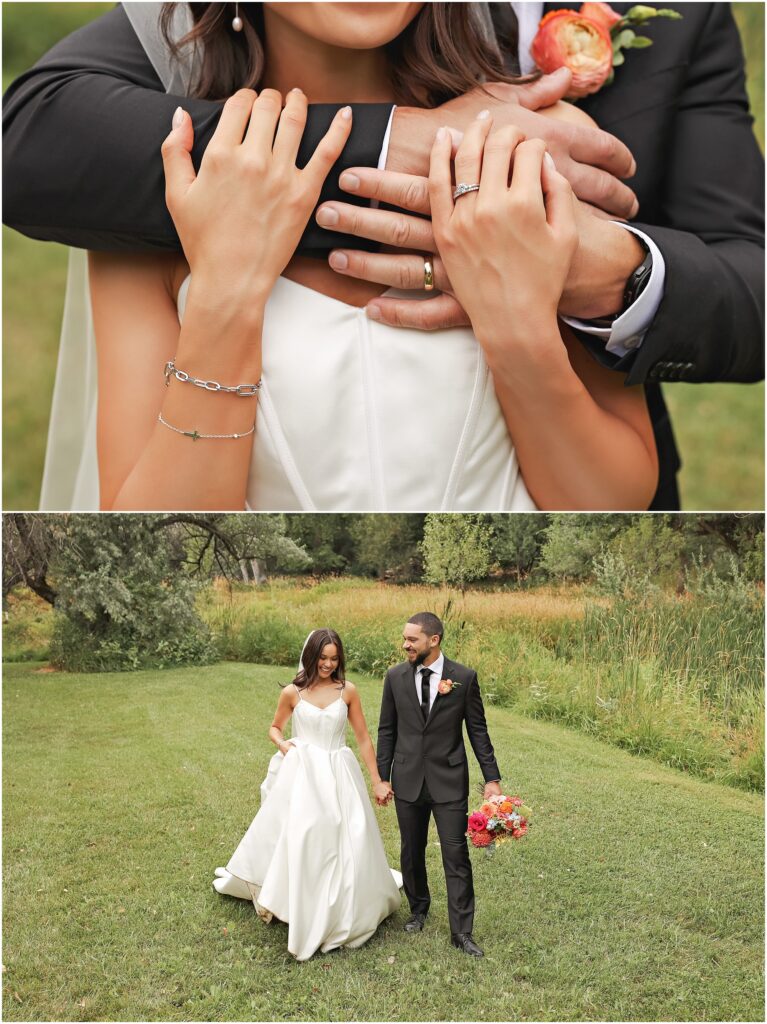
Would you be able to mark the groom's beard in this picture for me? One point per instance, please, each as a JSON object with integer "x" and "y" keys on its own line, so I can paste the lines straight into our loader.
{"x": 420, "y": 659}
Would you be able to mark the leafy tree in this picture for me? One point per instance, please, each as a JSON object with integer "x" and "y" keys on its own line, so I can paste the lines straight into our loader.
{"x": 122, "y": 602}
{"x": 456, "y": 549}
{"x": 389, "y": 545}
{"x": 574, "y": 540}
{"x": 328, "y": 539}
{"x": 518, "y": 541}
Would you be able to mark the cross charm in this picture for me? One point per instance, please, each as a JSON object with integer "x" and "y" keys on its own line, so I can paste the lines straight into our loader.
{"x": 191, "y": 433}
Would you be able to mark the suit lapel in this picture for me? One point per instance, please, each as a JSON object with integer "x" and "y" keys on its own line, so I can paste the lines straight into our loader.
{"x": 408, "y": 681}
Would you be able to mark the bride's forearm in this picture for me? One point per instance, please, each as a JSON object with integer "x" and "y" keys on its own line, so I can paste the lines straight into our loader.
{"x": 367, "y": 753}
{"x": 177, "y": 469}
{"x": 573, "y": 454}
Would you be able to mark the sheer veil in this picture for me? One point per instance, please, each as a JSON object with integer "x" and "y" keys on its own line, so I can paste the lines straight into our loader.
{"x": 70, "y": 475}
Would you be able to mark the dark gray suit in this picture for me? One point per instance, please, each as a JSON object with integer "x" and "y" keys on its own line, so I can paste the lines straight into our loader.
{"x": 429, "y": 772}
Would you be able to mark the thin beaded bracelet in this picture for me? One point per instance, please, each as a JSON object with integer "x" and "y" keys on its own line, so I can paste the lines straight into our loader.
{"x": 242, "y": 390}
{"x": 195, "y": 434}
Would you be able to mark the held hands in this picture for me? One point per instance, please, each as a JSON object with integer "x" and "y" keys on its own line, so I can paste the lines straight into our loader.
{"x": 240, "y": 218}
{"x": 507, "y": 248}
{"x": 383, "y": 793}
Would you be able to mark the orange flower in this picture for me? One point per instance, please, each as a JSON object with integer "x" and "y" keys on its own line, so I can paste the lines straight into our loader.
{"x": 481, "y": 838}
{"x": 506, "y": 807}
{"x": 580, "y": 43}
{"x": 488, "y": 810}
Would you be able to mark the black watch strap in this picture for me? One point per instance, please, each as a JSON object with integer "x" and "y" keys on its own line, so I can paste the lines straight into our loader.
{"x": 638, "y": 279}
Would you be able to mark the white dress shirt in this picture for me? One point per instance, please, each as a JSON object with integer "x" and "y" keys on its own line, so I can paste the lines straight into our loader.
{"x": 435, "y": 668}
{"x": 627, "y": 331}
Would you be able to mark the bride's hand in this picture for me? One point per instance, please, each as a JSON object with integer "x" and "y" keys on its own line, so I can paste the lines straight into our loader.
{"x": 241, "y": 217}
{"x": 285, "y": 747}
{"x": 507, "y": 248}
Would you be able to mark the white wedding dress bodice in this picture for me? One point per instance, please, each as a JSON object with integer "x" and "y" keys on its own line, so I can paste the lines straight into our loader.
{"x": 313, "y": 855}
{"x": 354, "y": 415}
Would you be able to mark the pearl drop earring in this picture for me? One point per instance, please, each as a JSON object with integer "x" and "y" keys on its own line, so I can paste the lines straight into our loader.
{"x": 237, "y": 20}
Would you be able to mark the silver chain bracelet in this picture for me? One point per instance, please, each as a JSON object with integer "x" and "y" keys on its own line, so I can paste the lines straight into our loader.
{"x": 243, "y": 390}
{"x": 195, "y": 434}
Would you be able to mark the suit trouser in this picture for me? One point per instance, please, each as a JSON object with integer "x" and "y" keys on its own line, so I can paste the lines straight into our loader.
{"x": 413, "y": 817}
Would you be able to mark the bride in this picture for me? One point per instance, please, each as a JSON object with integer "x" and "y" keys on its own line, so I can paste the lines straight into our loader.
{"x": 313, "y": 855}
{"x": 277, "y": 392}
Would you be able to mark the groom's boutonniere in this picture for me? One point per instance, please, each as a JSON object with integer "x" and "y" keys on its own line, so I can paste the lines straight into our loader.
{"x": 590, "y": 42}
{"x": 446, "y": 686}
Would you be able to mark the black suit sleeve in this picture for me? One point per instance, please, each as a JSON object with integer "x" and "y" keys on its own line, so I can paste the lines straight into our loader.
{"x": 709, "y": 227}
{"x": 387, "y": 731}
{"x": 81, "y": 145}
{"x": 476, "y": 729}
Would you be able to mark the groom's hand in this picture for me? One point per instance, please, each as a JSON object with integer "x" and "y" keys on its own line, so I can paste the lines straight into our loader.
{"x": 492, "y": 789}
{"x": 603, "y": 261}
{"x": 592, "y": 160}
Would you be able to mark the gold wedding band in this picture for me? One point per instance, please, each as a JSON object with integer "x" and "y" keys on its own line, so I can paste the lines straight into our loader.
{"x": 428, "y": 276}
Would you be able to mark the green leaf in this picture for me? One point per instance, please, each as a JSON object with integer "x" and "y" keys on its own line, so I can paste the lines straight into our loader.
{"x": 640, "y": 14}
{"x": 641, "y": 43}
{"x": 626, "y": 38}
{"x": 666, "y": 12}
{"x": 618, "y": 59}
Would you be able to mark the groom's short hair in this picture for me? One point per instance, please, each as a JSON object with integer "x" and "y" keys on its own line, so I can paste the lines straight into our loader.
{"x": 429, "y": 623}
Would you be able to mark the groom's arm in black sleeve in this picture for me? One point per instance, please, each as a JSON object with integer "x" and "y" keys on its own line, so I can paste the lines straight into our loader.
{"x": 709, "y": 225}
{"x": 476, "y": 729}
{"x": 387, "y": 731}
{"x": 81, "y": 144}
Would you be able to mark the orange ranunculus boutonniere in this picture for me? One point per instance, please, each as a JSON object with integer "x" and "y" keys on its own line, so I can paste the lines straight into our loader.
{"x": 446, "y": 686}
{"x": 590, "y": 42}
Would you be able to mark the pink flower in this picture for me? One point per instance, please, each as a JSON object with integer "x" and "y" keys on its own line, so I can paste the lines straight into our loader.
{"x": 477, "y": 821}
{"x": 481, "y": 838}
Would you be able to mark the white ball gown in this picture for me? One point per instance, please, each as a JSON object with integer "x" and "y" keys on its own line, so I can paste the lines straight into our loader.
{"x": 313, "y": 855}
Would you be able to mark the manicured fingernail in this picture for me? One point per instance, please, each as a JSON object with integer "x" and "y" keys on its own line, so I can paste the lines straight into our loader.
{"x": 634, "y": 208}
{"x": 296, "y": 89}
{"x": 346, "y": 113}
{"x": 178, "y": 117}
{"x": 373, "y": 312}
{"x": 549, "y": 162}
{"x": 441, "y": 133}
{"x": 327, "y": 216}
{"x": 456, "y": 135}
{"x": 339, "y": 260}
{"x": 348, "y": 181}
{"x": 483, "y": 115}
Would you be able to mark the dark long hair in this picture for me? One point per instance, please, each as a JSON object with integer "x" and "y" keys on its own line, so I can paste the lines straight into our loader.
{"x": 441, "y": 54}
{"x": 311, "y": 656}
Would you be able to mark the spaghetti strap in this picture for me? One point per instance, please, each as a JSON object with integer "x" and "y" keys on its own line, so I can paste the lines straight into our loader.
{"x": 297, "y": 691}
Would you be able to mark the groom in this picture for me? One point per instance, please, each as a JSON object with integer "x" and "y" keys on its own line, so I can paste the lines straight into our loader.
{"x": 426, "y": 700}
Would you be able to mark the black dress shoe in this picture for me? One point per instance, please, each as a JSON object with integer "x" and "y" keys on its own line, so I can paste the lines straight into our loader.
{"x": 464, "y": 941}
{"x": 415, "y": 923}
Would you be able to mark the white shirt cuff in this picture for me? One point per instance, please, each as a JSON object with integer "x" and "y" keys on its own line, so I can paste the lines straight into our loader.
{"x": 626, "y": 333}
{"x": 384, "y": 153}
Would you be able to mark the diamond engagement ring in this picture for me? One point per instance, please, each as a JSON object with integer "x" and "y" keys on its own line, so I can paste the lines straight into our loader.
{"x": 463, "y": 188}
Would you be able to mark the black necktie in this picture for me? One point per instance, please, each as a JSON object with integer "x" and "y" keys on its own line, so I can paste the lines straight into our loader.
{"x": 507, "y": 35}
{"x": 425, "y": 677}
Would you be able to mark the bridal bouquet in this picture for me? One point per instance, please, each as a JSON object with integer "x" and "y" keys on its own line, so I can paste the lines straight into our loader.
{"x": 499, "y": 819}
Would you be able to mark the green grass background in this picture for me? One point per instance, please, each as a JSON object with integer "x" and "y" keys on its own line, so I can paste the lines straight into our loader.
{"x": 638, "y": 894}
{"x": 719, "y": 427}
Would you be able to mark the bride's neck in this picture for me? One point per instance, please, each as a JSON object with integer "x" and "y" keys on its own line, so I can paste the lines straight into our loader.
{"x": 326, "y": 74}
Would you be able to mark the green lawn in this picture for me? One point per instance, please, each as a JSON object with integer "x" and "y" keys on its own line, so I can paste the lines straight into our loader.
{"x": 637, "y": 895}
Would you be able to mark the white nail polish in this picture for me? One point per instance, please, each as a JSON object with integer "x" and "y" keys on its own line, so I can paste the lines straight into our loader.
{"x": 441, "y": 132}
{"x": 549, "y": 162}
{"x": 178, "y": 117}
{"x": 483, "y": 115}
{"x": 346, "y": 113}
